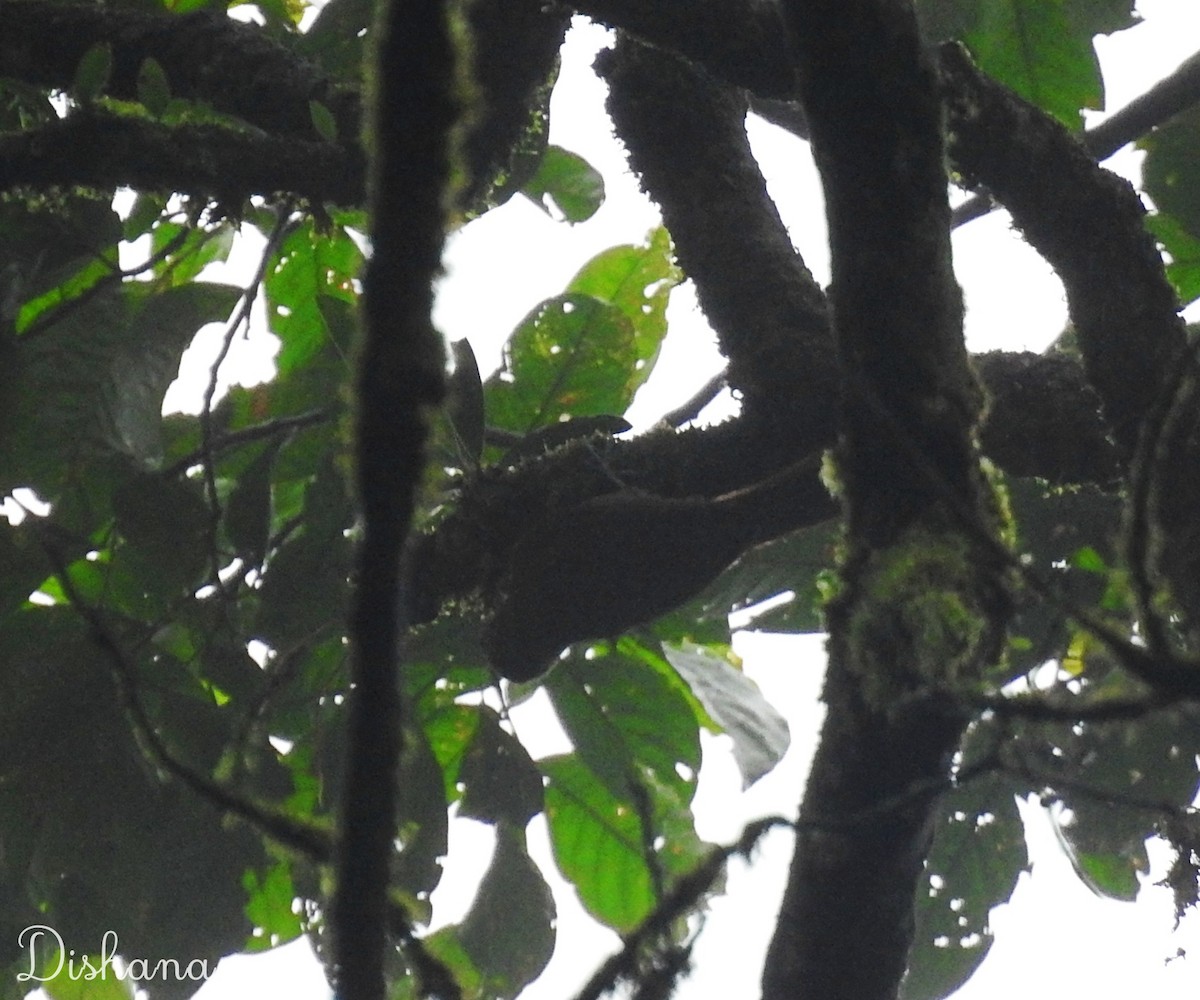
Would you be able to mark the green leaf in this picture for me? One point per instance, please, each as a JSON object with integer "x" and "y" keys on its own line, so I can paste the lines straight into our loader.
{"x": 760, "y": 734}
{"x": 977, "y": 856}
{"x": 165, "y": 524}
{"x": 1171, "y": 172}
{"x": 572, "y": 356}
{"x": 501, "y": 783}
{"x": 248, "y": 509}
{"x": 509, "y": 930}
{"x": 1183, "y": 248}
{"x": 323, "y": 121}
{"x": 637, "y": 280}
{"x": 305, "y": 588}
{"x": 598, "y": 844}
{"x": 310, "y": 267}
{"x": 92, "y": 385}
{"x": 1032, "y": 47}
{"x": 566, "y": 182}
{"x": 626, "y": 720}
{"x": 153, "y": 87}
{"x": 93, "y": 73}
{"x": 269, "y": 906}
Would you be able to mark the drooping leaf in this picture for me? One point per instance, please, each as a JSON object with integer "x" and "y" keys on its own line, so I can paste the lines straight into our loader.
{"x": 93, "y": 73}
{"x": 509, "y": 930}
{"x": 760, "y": 734}
{"x": 153, "y": 87}
{"x": 598, "y": 843}
{"x": 501, "y": 783}
{"x": 978, "y": 853}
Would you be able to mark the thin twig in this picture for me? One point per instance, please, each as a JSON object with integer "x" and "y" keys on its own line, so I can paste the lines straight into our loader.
{"x": 56, "y": 314}
{"x": 248, "y": 435}
{"x": 690, "y": 410}
{"x": 240, "y": 318}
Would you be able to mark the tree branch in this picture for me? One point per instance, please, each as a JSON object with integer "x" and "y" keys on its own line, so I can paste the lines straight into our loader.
{"x": 97, "y": 149}
{"x": 870, "y": 96}
{"x": 686, "y": 138}
{"x": 1167, "y": 98}
{"x": 234, "y": 67}
{"x": 1087, "y": 223}
{"x": 737, "y": 40}
{"x": 400, "y": 375}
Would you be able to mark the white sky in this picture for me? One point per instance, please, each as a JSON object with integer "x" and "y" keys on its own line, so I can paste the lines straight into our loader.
{"x": 1055, "y": 937}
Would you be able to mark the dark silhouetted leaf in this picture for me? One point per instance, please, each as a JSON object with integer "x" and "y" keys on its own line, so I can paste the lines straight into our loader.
{"x": 509, "y": 930}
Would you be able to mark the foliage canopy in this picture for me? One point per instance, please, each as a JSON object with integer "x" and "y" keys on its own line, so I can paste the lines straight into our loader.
{"x": 178, "y": 593}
